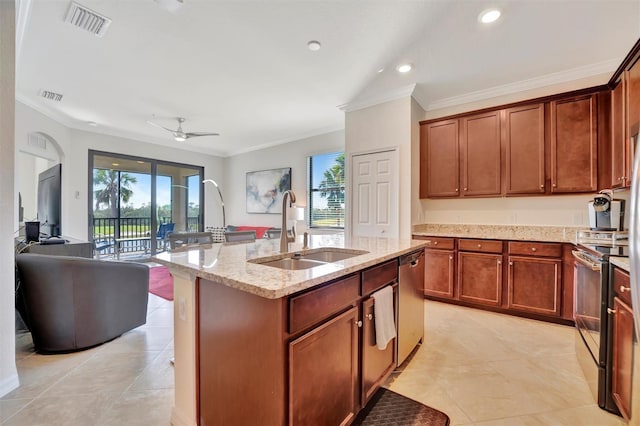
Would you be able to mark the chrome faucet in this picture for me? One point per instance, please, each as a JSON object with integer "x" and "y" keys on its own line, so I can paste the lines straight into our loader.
{"x": 284, "y": 235}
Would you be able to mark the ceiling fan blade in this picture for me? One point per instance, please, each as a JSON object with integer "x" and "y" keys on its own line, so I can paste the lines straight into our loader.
{"x": 196, "y": 134}
{"x": 162, "y": 127}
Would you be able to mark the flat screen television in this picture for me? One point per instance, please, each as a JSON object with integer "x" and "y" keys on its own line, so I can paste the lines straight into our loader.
{"x": 50, "y": 201}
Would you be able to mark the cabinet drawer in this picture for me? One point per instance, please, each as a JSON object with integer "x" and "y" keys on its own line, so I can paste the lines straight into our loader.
{"x": 441, "y": 243}
{"x": 481, "y": 246}
{"x": 535, "y": 249}
{"x": 379, "y": 276}
{"x": 312, "y": 307}
{"x": 621, "y": 285}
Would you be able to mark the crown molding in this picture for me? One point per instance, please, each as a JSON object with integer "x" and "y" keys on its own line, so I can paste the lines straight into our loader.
{"x": 572, "y": 74}
{"x": 392, "y": 95}
{"x": 317, "y": 132}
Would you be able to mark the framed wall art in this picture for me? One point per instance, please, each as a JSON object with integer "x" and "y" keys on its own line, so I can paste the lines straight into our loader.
{"x": 265, "y": 189}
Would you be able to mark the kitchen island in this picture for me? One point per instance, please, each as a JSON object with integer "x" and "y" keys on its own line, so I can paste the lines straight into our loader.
{"x": 257, "y": 344}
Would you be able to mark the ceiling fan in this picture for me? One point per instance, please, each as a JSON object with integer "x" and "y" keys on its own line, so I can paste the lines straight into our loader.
{"x": 180, "y": 135}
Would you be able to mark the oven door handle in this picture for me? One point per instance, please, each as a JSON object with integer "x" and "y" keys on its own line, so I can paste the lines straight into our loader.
{"x": 584, "y": 260}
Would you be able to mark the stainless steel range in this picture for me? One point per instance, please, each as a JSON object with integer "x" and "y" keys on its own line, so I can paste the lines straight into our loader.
{"x": 592, "y": 306}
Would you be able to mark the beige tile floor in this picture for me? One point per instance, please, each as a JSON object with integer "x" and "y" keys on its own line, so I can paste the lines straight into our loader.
{"x": 126, "y": 382}
{"x": 480, "y": 368}
{"x": 489, "y": 369}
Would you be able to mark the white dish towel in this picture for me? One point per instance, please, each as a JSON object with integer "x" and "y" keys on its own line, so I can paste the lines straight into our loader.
{"x": 384, "y": 318}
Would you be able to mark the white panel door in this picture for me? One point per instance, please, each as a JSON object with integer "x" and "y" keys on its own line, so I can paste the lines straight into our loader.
{"x": 375, "y": 194}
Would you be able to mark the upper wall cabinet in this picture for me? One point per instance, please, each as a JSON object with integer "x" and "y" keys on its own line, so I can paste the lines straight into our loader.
{"x": 523, "y": 139}
{"x": 480, "y": 148}
{"x": 619, "y": 142}
{"x": 439, "y": 159}
{"x": 574, "y": 144}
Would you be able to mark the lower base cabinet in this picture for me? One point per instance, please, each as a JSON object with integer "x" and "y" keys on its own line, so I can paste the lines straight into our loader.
{"x": 534, "y": 285}
{"x": 439, "y": 280}
{"x": 376, "y": 363}
{"x": 622, "y": 356}
{"x": 323, "y": 369}
{"x": 480, "y": 278}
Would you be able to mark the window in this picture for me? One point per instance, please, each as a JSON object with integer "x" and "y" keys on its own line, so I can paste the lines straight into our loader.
{"x": 326, "y": 190}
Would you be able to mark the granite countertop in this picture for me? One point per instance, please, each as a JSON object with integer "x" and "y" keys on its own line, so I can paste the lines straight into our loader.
{"x": 559, "y": 234}
{"x": 621, "y": 262}
{"x": 229, "y": 263}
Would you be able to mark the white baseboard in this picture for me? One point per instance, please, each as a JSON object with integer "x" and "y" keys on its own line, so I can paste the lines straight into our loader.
{"x": 180, "y": 419}
{"x": 9, "y": 383}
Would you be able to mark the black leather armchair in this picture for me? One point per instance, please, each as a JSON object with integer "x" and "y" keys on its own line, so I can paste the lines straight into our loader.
{"x": 73, "y": 303}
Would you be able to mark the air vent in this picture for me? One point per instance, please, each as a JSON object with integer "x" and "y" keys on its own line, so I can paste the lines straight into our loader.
{"x": 86, "y": 19}
{"x": 52, "y": 96}
{"x": 37, "y": 141}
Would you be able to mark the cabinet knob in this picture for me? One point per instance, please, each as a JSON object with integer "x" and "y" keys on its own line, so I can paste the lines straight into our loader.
{"x": 456, "y": 189}
{"x": 479, "y": 245}
{"x": 499, "y": 262}
{"x": 554, "y": 185}
{"x": 358, "y": 323}
{"x": 542, "y": 186}
{"x": 611, "y": 311}
{"x": 450, "y": 257}
{"x": 619, "y": 178}
{"x": 435, "y": 243}
{"x": 623, "y": 289}
{"x": 510, "y": 263}
{"x": 534, "y": 249}
{"x": 465, "y": 189}
{"x": 369, "y": 317}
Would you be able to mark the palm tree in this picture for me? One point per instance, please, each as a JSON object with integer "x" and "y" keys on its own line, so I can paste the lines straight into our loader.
{"x": 114, "y": 182}
{"x": 332, "y": 187}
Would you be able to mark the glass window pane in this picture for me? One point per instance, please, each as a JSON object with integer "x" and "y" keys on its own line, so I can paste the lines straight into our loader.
{"x": 326, "y": 190}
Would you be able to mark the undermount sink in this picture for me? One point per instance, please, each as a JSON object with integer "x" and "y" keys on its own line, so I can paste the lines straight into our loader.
{"x": 292, "y": 264}
{"x": 309, "y": 259}
{"x": 329, "y": 256}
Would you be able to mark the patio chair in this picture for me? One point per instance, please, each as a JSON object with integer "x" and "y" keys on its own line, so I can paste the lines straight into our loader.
{"x": 187, "y": 239}
{"x": 102, "y": 244}
{"x": 163, "y": 231}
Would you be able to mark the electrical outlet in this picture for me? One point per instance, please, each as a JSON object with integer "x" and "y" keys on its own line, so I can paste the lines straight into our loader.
{"x": 182, "y": 309}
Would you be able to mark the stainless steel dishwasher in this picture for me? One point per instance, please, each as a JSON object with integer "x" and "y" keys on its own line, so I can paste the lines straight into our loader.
{"x": 410, "y": 303}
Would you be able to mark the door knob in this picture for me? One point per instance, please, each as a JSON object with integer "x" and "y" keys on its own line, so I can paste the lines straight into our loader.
{"x": 358, "y": 323}
{"x": 369, "y": 317}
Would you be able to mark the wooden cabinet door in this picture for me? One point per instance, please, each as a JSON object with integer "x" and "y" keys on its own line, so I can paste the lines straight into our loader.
{"x": 480, "y": 278}
{"x": 523, "y": 137}
{"x": 574, "y": 145}
{"x": 481, "y": 158}
{"x": 619, "y": 141}
{"x": 633, "y": 99}
{"x": 622, "y": 356}
{"x": 439, "y": 159}
{"x": 376, "y": 363}
{"x": 439, "y": 273}
{"x": 323, "y": 372}
{"x": 534, "y": 285}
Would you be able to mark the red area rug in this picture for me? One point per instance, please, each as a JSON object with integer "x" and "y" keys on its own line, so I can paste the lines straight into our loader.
{"x": 161, "y": 282}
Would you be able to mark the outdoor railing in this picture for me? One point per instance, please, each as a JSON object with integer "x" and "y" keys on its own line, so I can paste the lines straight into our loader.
{"x": 111, "y": 228}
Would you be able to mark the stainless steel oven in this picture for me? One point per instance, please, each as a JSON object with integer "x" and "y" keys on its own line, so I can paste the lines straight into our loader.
{"x": 593, "y": 326}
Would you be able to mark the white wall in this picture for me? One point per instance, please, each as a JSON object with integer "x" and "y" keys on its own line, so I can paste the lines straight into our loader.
{"x": 8, "y": 199}
{"x": 567, "y": 210}
{"x": 75, "y": 145}
{"x": 386, "y": 125}
{"x": 292, "y": 154}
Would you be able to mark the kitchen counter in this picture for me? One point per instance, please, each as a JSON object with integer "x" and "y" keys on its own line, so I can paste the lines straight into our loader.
{"x": 229, "y": 263}
{"x": 621, "y": 262}
{"x": 233, "y": 312}
{"x": 559, "y": 234}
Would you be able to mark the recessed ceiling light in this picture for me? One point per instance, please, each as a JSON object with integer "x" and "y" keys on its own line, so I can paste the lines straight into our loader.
{"x": 488, "y": 16}
{"x": 314, "y": 45}
{"x": 92, "y": 123}
{"x": 403, "y": 68}
{"x": 380, "y": 70}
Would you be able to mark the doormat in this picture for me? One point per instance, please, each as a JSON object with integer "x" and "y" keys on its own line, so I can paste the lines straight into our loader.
{"x": 388, "y": 408}
{"x": 161, "y": 282}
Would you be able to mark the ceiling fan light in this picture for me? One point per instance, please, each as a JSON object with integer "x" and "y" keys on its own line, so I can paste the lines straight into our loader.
{"x": 180, "y": 138}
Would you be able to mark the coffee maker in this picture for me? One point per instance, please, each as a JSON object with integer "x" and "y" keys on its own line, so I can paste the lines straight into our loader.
{"x": 606, "y": 213}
